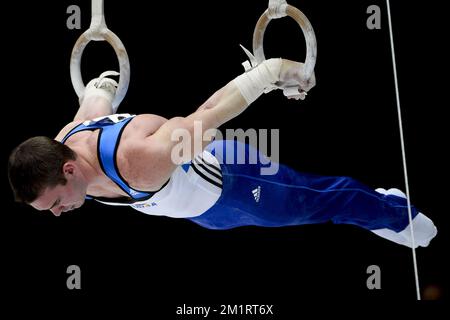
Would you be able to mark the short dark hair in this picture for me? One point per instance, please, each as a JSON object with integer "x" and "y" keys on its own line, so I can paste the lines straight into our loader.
{"x": 36, "y": 164}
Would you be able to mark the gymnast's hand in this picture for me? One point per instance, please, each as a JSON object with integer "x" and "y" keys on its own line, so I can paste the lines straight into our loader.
{"x": 292, "y": 75}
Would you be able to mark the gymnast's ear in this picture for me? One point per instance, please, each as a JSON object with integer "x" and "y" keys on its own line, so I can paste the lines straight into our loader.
{"x": 69, "y": 167}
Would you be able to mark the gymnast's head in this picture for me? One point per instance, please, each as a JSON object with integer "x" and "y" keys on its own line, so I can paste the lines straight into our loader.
{"x": 45, "y": 174}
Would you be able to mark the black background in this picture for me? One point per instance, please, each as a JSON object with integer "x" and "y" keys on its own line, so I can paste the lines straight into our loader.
{"x": 180, "y": 54}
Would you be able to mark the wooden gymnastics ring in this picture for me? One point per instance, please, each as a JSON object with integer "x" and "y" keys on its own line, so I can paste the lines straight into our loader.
{"x": 98, "y": 31}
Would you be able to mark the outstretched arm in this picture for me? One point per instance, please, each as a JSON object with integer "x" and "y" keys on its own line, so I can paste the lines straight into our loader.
{"x": 222, "y": 106}
{"x": 97, "y": 98}
{"x": 93, "y": 107}
{"x": 232, "y": 99}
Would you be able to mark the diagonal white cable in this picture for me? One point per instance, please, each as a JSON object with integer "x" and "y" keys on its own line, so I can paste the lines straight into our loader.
{"x": 405, "y": 171}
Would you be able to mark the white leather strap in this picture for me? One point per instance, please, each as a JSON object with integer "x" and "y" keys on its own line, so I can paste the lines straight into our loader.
{"x": 277, "y": 9}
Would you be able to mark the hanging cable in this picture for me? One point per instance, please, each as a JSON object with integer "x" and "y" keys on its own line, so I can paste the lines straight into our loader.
{"x": 402, "y": 141}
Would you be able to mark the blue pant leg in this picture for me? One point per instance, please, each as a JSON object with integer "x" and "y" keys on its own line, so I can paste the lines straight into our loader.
{"x": 293, "y": 198}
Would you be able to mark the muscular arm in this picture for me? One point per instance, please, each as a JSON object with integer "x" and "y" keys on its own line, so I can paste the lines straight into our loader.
{"x": 97, "y": 97}
{"x": 90, "y": 108}
{"x": 93, "y": 107}
{"x": 227, "y": 103}
{"x": 222, "y": 106}
{"x": 150, "y": 157}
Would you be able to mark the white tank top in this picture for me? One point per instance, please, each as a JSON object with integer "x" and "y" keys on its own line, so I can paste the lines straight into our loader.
{"x": 192, "y": 188}
{"x": 188, "y": 193}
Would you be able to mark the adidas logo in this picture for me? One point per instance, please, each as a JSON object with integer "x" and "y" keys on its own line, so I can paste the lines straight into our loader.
{"x": 256, "y": 193}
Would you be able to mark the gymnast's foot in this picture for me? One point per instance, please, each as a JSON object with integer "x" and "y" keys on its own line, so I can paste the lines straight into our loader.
{"x": 424, "y": 228}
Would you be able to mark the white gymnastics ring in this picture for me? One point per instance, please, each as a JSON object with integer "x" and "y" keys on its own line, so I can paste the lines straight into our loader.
{"x": 308, "y": 32}
{"x": 98, "y": 31}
